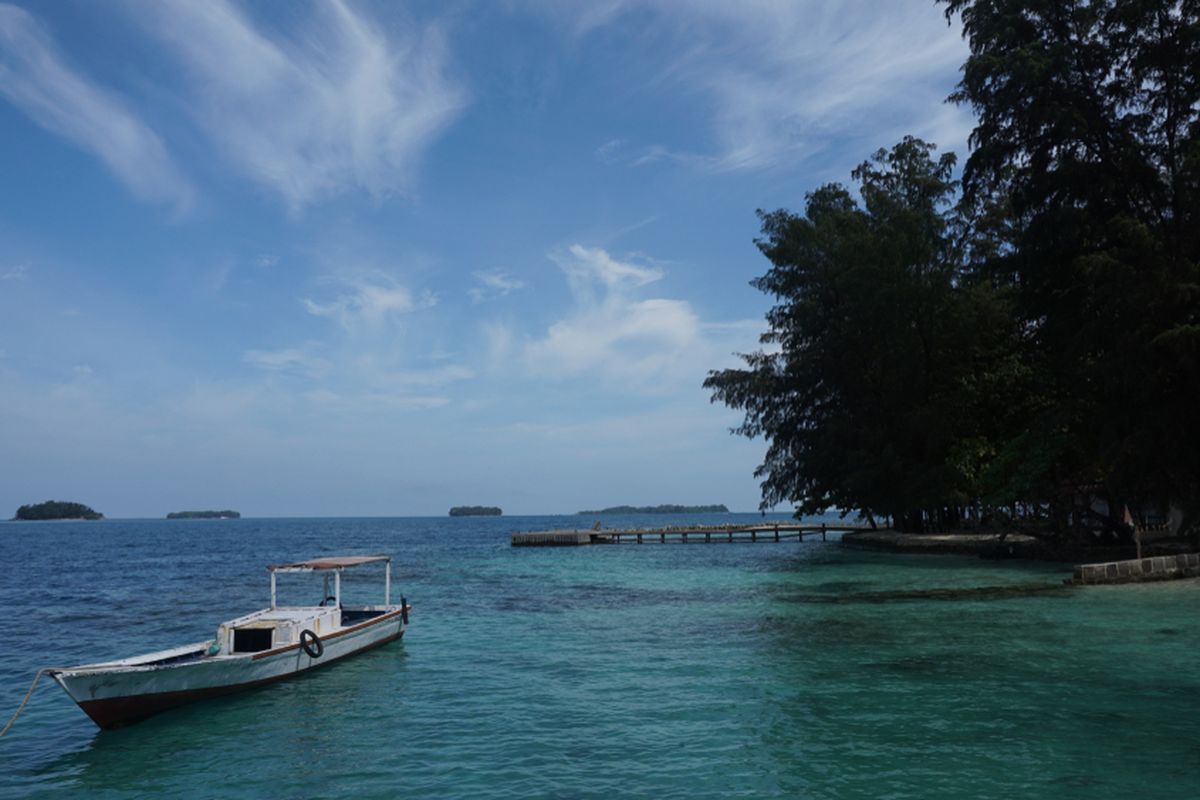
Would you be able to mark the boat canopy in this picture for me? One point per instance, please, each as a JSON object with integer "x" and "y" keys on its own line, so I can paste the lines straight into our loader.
{"x": 327, "y": 563}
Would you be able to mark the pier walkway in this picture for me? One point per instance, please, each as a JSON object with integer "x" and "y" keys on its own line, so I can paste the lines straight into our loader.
{"x": 695, "y": 534}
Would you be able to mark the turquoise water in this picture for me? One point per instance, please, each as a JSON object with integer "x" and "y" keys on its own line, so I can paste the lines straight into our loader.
{"x": 752, "y": 670}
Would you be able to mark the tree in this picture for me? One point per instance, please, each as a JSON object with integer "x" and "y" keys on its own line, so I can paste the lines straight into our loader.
{"x": 1038, "y": 343}
{"x": 1089, "y": 133}
{"x": 56, "y": 509}
{"x": 870, "y": 393}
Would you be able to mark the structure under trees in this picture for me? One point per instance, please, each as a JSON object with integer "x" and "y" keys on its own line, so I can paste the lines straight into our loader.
{"x": 1028, "y": 342}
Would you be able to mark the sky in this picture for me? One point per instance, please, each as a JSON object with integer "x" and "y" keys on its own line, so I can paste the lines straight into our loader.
{"x": 382, "y": 258}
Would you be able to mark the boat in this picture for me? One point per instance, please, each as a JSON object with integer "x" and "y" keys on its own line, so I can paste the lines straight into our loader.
{"x": 253, "y": 650}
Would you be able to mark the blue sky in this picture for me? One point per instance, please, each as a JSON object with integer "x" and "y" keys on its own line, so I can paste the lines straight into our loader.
{"x": 380, "y": 258}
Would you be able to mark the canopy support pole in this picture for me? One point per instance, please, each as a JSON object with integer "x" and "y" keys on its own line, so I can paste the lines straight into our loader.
{"x": 387, "y": 583}
{"x": 272, "y": 590}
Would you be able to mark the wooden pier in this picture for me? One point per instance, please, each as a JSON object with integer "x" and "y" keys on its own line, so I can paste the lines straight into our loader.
{"x": 698, "y": 534}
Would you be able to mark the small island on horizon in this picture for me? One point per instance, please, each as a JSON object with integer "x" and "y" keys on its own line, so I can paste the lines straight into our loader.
{"x": 56, "y": 509}
{"x": 226, "y": 514}
{"x": 475, "y": 511}
{"x": 663, "y": 509}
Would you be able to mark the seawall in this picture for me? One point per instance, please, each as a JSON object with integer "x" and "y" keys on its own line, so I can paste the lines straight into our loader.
{"x": 1155, "y": 568}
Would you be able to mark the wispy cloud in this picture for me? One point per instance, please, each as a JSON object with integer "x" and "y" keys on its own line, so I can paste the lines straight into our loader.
{"x": 653, "y": 345}
{"x": 780, "y": 81}
{"x": 588, "y": 268}
{"x": 42, "y": 83}
{"x": 610, "y": 150}
{"x": 290, "y": 359}
{"x": 15, "y": 272}
{"x": 400, "y": 381}
{"x": 369, "y": 300}
{"x": 492, "y": 283}
{"x": 329, "y": 105}
{"x": 609, "y": 330}
{"x": 371, "y": 361}
{"x": 372, "y": 402}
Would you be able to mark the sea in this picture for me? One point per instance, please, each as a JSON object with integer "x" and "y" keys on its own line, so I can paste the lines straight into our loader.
{"x": 797, "y": 670}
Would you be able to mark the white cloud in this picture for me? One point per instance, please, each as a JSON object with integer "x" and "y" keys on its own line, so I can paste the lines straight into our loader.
{"x": 432, "y": 377}
{"x": 15, "y": 272}
{"x": 501, "y": 341}
{"x": 329, "y": 105}
{"x": 38, "y": 80}
{"x": 372, "y": 402}
{"x": 645, "y": 343}
{"x": 366, "y": 363}
{"x": 492, "y": 283}
{"x": 780, "y": 81}
{"x": 588, "y": 269}
{"x": 290, "y": 359}
{"x": 653, "y": 345}
{"x": 371, "y": 300}
{"x": 610, "y": 150}
{"x": 636, "y": 340}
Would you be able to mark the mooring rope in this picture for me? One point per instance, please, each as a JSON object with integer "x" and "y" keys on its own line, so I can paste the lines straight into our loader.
{"x": 28, "y": 695}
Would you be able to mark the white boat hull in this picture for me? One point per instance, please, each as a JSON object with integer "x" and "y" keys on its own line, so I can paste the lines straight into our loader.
{"x": 117, "y": 694}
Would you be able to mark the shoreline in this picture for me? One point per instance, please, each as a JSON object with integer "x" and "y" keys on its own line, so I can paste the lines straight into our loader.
{"x": 1091, "y": 564}
{"x": 1014, "y": 545}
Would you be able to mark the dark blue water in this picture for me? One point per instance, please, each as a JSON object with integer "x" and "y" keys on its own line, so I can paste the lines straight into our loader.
{"x": 755, "y": 670}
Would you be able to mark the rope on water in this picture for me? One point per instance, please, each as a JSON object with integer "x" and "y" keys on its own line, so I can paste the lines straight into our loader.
{"x": 28, "y": 695}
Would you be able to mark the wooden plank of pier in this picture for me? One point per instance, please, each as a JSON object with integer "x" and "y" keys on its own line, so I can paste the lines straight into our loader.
{"x": 698, "y": 534}
{"x": 551, "y": 538}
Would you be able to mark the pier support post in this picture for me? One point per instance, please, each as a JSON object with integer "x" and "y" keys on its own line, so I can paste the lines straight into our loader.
{"x": 822, "y": 531}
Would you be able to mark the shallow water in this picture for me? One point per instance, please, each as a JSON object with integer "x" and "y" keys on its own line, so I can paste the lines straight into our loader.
{"x": 746, "y": 670}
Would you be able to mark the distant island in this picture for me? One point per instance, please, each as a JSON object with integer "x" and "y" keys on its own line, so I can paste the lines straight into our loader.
{"x": 663, "y": 509}
{"x": 204, "y": 515}
{"x": 56, "y": 509}
{"x": 475, "y": 511}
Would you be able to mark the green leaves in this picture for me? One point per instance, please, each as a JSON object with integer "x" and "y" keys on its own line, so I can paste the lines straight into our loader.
{"x": 863, "y": 404}
{"x": 56, "y": 509}
{"x": 1028, "y": 342}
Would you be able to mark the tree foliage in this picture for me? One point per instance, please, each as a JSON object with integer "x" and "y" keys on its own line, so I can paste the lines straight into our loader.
{"x": 224, "y": 514}
{"x": 1027, "y": 339}
{"x": 872, "y": 390}
{"x": 666, "y": 508}
{"x": 56, "y": 509}
{"x": 475, "y": 511}
{"x": 1089, "y": 132}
